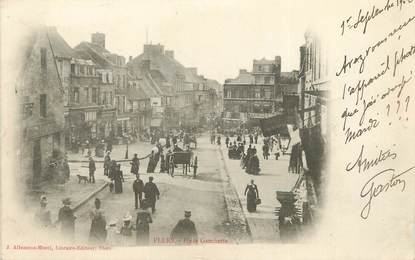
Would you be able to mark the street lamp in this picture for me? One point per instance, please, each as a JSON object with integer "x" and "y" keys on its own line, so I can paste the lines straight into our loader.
{"x": 126, "y": 151}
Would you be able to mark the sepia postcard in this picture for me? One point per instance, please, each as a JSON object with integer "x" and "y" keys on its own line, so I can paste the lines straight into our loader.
{"x": 207, "y": 129}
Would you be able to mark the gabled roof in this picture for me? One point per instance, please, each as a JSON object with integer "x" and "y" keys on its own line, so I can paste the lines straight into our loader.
{"x": 214, "y": 84}
{"x": 264, "y": 61}
{"x": 95, "y": 53}
{"x": 59, "y": 45}
{"x": 148, "y": 88}
{"x": 243, "y": 78}
{"x": 169, "y": 67}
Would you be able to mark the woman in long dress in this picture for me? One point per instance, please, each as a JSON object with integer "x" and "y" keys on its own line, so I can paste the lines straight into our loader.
{"x": 151, "y": 163}
{"x": 98, "y": 231}
{"x": 118, "y": 179}
{"x": 143, "y": 224}
{"x": 251, "y": 193}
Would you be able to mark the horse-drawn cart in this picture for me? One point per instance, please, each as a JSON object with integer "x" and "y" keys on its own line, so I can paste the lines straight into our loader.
{"x": 186, "y": 159}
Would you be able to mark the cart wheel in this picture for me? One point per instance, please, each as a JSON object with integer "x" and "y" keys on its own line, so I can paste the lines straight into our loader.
{"x": 171, "y": 168}
{"x": 195, "y": 167}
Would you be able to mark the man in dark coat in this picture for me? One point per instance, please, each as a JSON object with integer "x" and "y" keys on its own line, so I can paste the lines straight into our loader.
{"x": 151, "y": 193}
{"x": 138, "y": 188}
{"x": 66, "y": 219}
{"x": 109, "y": 145}
{"x": 107, "y": 164}
{"x": 91, "y": 170}
{"x": 185, "y": 230}
{"x": 135, "y": 165}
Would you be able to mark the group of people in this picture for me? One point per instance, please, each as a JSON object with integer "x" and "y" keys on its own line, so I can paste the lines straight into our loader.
{"x": 235, "y": 151}
{"x": 250, "y": 161}
{"x": 113, "y": 171}
{"x": 184, "y": 230}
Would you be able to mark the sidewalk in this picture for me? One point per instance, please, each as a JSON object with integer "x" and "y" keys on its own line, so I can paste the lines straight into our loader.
{"x": 273, "y": 177}
{"x": 78, "y": 192}
{"x": 118, "y": 152}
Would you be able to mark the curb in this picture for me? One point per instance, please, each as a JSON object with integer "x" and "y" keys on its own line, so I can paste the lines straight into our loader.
{"x": 80, "y": 204}
{"x": 233, "y": 204}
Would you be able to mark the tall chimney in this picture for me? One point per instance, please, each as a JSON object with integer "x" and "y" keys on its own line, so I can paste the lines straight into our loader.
{"x": 278, "y": 66}
{"x": 98, "y": 39}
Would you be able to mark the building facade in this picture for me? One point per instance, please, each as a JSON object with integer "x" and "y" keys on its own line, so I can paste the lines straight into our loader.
{"x": 257, "y": 94}
{"x": 40, "y": 91}
{"x": 183, "y": 93}
{"x": 314, "y": 84}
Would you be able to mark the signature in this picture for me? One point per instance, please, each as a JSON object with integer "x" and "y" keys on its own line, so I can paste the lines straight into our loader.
{"x": 364, "y": 164}
{"x": 372, "y": 189}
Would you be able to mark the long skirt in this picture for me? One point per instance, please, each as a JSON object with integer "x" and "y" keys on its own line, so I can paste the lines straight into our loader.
{"x": 97, "y": 233}
{"x": 151, "y": 166}
{"x": 143, "y": 234}
{"x": 118, "y": 186}
{"x": 251, "y": 202}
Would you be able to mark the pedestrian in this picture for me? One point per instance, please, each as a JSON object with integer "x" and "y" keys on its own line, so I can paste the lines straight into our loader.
{"x": 163, "y": 167}
{"x": 143, "y": 225}
{"x": 251, "y": 193}
{"x": 66, "y": 168}
{"x": 138, "y": 188}
{"x": 151, "y": 193}
{"x": 218, "y": 140}
{"x": 265, "y": 151}
{"x": 42, "y": 216}
{"x": 118, "y": 179}
{"x": 239, "y": 138}
{"x": 168, "y": 141}
{"x": 212, "y": 138}
{"x": 251, "y": 139}
{"x": 135, "y": 165}
{"x": 253, "y": 165}
{"x": 66, "y": 218}
{"x": 151, "y": 163}
{"x": 91, "y": 170}
{"x": 227, "y": 141}
{"x": 256, "y": 137}
{"x": 98, "y": 231}
{"x": 109, "y": 145}
{"x": 127, "y": 227}
{"x": 185, "y": 230}
{"x": 107, "y": 164}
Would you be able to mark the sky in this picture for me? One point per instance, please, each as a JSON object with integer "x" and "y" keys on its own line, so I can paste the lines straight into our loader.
{"x": 217, "y": 37}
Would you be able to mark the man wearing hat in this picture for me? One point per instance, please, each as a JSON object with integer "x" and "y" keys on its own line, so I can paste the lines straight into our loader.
{"x": 42, "y": 216}
{"x": 91, "y": 170}
{"x": 151, "y": 192}
{"x": 135, "y": 164}
{"x": 138, "y": 187}
{"x": 185, "y": 229}
{"x": 67, "y": 220}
